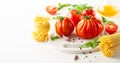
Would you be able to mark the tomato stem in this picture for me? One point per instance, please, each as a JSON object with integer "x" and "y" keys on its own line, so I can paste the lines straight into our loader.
{"x": 78, "y": 12}
{"x": 87, "y": 17}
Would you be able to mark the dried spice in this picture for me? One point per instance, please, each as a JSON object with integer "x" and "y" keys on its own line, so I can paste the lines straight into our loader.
{"x": 81, "y": 41}
{"x": 90, "y": 52}
{"x": 84, "y": 53}
{"x": 80, "y": 48}
{"x": 76, "y": 57}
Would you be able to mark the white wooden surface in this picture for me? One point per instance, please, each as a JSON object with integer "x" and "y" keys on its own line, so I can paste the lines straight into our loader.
{"x": 17, "y": 44}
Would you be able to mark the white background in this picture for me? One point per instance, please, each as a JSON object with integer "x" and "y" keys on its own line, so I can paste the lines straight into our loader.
{"x": 16, "y": 42}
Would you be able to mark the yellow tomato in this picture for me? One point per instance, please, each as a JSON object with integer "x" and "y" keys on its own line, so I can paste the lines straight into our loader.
{"x": 108, "y": 10}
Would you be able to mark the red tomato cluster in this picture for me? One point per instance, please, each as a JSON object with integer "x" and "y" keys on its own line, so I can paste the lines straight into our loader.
{"x": 87, "y": 25}
{"x": 76, "y": 15}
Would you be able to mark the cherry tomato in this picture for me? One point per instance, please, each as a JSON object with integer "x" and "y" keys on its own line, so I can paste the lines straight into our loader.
{"x": 64, "y": 27}
{"x": 111, "y": 28}
{"x": 51, "y": 10}
{"x": 75, "y": 16}
{"x": 89, "y": 27}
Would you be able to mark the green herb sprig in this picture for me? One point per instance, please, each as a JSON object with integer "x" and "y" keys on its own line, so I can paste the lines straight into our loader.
{"x": 61, "y": 6}
{"x": 106, "y": 21}
{"x": 54, "y": 38}
{"x": 92, "y": 44}
{"x": 80, "y": 7}
{"x": 58, "y": 18}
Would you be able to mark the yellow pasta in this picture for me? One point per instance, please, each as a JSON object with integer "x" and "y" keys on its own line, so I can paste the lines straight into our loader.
{"x": 42, "y": 28}
{"x": 110, "y": 44}
{"x": 40, "y": 37}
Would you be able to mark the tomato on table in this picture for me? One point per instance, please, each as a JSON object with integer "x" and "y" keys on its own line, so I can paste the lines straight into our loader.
{"x": 89, "y": 27}
{"x": 51, "y": 10}
{"x": 64, "y": 27}
{"x": 75, "y": 16}
{"x": 111, "y": 28}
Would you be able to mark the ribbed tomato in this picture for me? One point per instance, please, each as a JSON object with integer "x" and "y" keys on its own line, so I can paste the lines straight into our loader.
{"x": 90, "y": 12}
{"x": 75, "y": 16}
{"x": 64, "y": 27}
{"x": 89, "y": 27}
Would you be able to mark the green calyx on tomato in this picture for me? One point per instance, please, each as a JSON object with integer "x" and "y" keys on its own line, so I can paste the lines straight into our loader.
{"x": 87, "y": 17}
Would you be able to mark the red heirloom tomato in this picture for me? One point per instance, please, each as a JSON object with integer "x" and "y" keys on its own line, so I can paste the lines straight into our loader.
{"x": 51, "y": 10}
{"x": 89, "y": 27}
{"x": 74, "y": 16}
{"x": 89, "y": 12}
{"x": 111, "y": 28}
{"x": 64, "y": 27}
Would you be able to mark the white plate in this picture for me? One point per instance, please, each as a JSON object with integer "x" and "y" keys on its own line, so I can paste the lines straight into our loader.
{"x": 71, "y": 47}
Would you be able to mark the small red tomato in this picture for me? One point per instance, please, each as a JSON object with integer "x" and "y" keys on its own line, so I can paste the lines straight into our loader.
{"x": 89, "y": 12}
{"x": 51, "y": 10}
{"x": 64, "y": 27}
{"x": 74, "y": 16}
{"x": 111, "y": 28}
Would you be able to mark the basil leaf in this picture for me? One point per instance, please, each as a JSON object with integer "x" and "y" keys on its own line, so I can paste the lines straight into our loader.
{"x": 54, "y": 37}
{"x": 58, "y": 18}
{"x": 86, "y": 45}
{"x": 61, "y": 6}
{"x": 91, "y": 44}
{"x": 104, "y": 19}
{"x": 81, "y": 7}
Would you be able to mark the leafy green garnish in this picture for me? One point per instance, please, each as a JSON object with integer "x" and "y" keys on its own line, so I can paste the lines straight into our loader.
{"x": 106, "y": 21}
{"x": 54, "y": 38}
{"x": 58, "y": 18}
{"x": 61, "y": 6}
{"x": 91, "y": 44}
{"x": 81, "y": 7}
